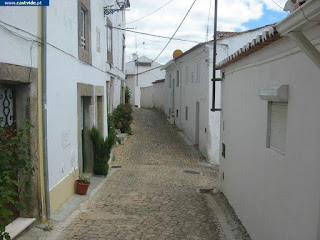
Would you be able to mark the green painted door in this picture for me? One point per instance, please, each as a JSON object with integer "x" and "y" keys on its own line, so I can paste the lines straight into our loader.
{"x": 83, "y": 135}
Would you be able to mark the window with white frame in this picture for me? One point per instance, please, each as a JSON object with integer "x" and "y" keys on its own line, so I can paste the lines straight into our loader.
{"x": 109, "y": 41}
{"x": 178, "y": 78}
{"x": 187, "y": 75}
{"x": 82, "y": 28}
{"x": 198, "y": 72}
{"x": 98, "y": 45}
{"x": 186, "y": 113}
{"x": 277, "y": 126}
{"x": 170, "y": 81}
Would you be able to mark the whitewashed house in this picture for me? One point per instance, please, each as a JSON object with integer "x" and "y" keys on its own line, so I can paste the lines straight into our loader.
{"x": 141, "y": 73}
{"x": 269, "y": 166}
{"x": 188, "y": 91}
{"x": 65, "y": 64}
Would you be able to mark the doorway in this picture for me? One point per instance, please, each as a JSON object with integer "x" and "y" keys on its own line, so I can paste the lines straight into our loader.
{"x": 87, "y": 161}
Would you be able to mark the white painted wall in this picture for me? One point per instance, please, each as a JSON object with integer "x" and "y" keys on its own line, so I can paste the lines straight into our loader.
{"x": 147, "y": 97}
{"x": 190, "y": 93}
{"x": 275, "y": 196}
{"x": 65, "y": 70}
{"x": 19, "y": 50}
{"x": 144, "y": 79}
{"x": 158, "y": 95}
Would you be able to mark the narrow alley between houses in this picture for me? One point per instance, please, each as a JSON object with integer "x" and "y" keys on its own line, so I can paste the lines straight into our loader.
{"x": 150, "y": 196}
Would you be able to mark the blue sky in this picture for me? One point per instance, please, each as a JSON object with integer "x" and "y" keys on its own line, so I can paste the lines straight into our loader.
{"x": 268, "y": 17}
{"x": 233, "y": 15}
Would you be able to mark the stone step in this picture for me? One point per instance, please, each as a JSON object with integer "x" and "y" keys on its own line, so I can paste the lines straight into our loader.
{"x": 18, "y": 226}
{"x": 122, "y": 137}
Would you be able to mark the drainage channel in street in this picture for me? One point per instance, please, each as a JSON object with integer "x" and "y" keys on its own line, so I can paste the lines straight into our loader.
{"x": 116, "y": 166}
{"x": 190, "y": 172}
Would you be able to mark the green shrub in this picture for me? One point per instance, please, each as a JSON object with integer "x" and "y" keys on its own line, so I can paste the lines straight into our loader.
{"x": 127, "y": 95}
{"x": 101, "y": 151}
{"x": 112, "y": 138}
{"x": 122, "y": 117}
{"x": 16, "y": 170}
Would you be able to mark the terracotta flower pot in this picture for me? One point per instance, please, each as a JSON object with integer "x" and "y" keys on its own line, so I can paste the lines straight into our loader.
{"x": 82, "y": 188}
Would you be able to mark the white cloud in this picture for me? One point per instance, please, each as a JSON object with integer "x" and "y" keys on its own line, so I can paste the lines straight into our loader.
{"x": 232, "y": 14}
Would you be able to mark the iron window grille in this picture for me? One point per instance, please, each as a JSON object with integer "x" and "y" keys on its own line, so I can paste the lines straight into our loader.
{"x": 6, "y": 106}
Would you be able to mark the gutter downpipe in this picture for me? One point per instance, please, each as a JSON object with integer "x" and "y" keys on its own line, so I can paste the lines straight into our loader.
{"x": 44, "y": 106}
{"x": 291, "y": 26}
{"x": 214, "y": 59}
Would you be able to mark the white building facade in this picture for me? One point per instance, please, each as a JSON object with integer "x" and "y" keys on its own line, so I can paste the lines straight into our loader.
{"x": 188, "y": 91}
{"x": 141, "y": 72}
{"x": 85, "y": 79}
{"x": 269, "y": 168}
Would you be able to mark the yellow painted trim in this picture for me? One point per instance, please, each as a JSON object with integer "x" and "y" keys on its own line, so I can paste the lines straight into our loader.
{"x": 41, "y": 181}
{"x": 63, "y": 191}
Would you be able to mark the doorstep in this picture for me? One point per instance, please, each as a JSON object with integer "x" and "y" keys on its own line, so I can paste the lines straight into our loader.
{"x": 18, "y": 226}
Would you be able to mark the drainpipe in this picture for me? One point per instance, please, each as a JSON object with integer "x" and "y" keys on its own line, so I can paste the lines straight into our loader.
{"x": 307, "y": 15}
{"x": 44, "y": 106}
{"x": 214, "y": 59}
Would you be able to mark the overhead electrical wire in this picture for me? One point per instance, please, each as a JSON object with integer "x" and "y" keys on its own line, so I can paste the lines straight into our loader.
{"x": 150, "y": 13}
{"x": 153, "y": 35}
{"x": 176, "y": 30}
{"x": 277, "y": 4}
{"x": 207, "y": 35}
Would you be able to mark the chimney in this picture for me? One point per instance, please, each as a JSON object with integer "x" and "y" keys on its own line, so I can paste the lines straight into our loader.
{"x": 134, "y": 56}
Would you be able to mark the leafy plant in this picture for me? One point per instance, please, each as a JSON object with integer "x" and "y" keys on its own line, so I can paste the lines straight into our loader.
{"x": 16, "y": 170}
{"x": 112, "y": 136}
{"x": 101, "y": 150}
{"x": 84, "y": 180}
{"x": 127, "y": 95}
{"x": 122, "y": 117}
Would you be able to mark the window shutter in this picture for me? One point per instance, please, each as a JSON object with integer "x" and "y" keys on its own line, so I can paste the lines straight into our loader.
{"x": 278, "y": 126}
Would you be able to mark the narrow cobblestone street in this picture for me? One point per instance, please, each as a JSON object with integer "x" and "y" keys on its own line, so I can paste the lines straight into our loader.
{"x": 150, "y": 197}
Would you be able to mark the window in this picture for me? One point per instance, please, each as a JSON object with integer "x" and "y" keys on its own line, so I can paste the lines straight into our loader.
{"x": 186, "y": 113}
{"x": 277, "y": 126}
{"x": 187, "y": 75}
{"x": 170, "y": 81}
{"x": 192, "y": 77}
{"x": 178, "y": 77}
{"x": 98, "y": 46}
{"x": 109, "y": 41}
{"x": 198, "y": 72}
{"x": 177, "y": 113}
{"x": 82, "y": 29}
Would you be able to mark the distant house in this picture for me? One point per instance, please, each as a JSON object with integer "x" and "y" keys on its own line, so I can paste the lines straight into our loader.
{"x": 158, "y": 94}
{"x": 188, "y": 91}
{"x": 148, "y": 72}
{"x": 270, "y": 163}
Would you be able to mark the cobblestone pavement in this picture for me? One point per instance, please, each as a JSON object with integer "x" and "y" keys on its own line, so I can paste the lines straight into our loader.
{"x": 150, "y": 197}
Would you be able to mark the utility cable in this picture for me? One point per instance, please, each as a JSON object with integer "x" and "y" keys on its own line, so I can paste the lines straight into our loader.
{"x": 153, "y": 35}
{"x": 150, "y": 13}
{"x": 176, "y": 30}
{"x": 207, "y": 36}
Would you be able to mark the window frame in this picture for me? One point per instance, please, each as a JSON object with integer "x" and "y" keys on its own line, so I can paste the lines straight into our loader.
{"x": 186, "y": 113}
{"x": 109, "y": 37}
{"x": 178, "y": 78}
{"x": 84, "y": 31}
{"x": 98, "y": 39}
{"x": 269, "y": 128}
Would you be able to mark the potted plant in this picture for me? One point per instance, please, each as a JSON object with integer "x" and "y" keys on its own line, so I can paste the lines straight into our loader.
{"x": 83, "y": 184}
